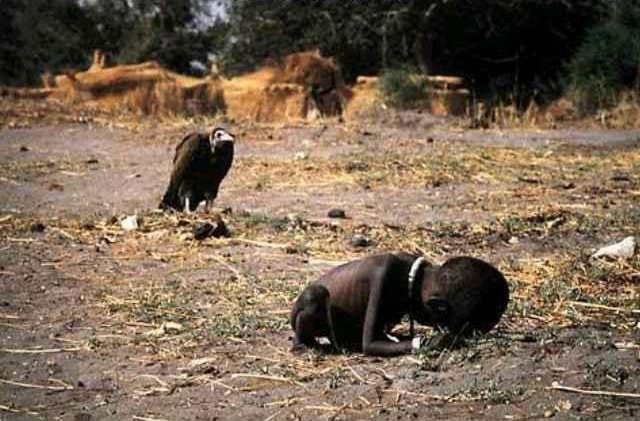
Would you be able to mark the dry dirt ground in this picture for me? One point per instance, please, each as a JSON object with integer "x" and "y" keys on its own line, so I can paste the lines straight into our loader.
{"x": 98, "y": 323}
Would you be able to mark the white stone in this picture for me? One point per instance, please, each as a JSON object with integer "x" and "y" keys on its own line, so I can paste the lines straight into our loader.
{"x": 625, "y": 248}
{"x": 130, "y": 223}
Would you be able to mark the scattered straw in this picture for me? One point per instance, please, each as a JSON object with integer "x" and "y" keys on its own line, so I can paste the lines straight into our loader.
{"x": 135, "y": 417}
{"x": 603, "y": 307}
{"x": 265, "y": 377}
{"x": 39, "y": 351}
{"x": 17, "y": 410}
{"x": 557, "y": 386}
{"x": 35, "y": 386}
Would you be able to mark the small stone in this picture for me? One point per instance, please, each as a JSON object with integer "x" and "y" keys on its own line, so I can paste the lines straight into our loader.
{"x": 202, "y": 231}
{"x": 88, "y": 225}
{"x": 625, "y": 249}
{"x": 565, "y": 405}
{"x": 290, "y": 249}
{"x": 201, "y": 366}
{"x": 101, "y": 247}
{"x": 172, "y": 327}
{"x": 360, "y": 240}
{"x": 356, "y": 166}
{"x": 38, "y": 227}
{"x": 56, "y": 186}
{"x": 165, "y": 328}
{"x": 337, "y": 213}
{"x": 157, "y": 234}
{"x": 301, "y": 156}
{"x": 217, "y": 229}
{"x": 294, "y": 217}
{"x": 513, "y": 240}
{"x": 130, "y": 223}
{"x": 621, "y": 178}
{"x": 549, "y": 413}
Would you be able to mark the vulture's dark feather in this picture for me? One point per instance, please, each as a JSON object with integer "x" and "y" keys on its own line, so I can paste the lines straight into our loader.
{"x": 198, "y": 170}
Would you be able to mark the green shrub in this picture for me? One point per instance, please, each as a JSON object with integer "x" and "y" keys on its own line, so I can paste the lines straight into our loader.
{"x": 608, "y": 60}
{"x": 402, "y": 88}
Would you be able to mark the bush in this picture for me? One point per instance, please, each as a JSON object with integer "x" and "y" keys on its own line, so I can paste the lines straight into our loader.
{"x": 402, "y": 88}
{"x": 608, "y": 60}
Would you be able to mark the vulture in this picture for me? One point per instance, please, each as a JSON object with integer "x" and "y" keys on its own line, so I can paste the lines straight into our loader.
{"x": 201, "y": 162}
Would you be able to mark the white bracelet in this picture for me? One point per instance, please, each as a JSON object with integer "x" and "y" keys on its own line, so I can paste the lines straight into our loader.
{"x": 416, "y": 342}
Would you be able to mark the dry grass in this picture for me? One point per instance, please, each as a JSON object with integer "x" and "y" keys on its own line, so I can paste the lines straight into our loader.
{"x": 440, "y": 166}
{"x": 250, "y": 300}
{"x": 160, "y": 297}
{"x": 215, "y": 301}
{"x": 274, "y": 93}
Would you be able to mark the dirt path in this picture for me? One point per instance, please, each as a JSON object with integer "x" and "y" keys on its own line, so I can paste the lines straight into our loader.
{"x": 98, "y": 323}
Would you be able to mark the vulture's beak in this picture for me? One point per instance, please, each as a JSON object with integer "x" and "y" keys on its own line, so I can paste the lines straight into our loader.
{"x": 227, "y": 137}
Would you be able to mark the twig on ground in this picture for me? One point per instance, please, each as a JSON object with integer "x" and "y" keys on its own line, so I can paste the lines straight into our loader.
{"x": 35, "y": 386}
{"x": 557, "y": 386}
{"x": 39, "y": 351}
{"x": 265, "y": 377}
{"x": 603, "y": 307}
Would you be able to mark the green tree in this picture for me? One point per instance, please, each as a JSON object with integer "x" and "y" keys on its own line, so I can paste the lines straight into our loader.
{"x": 608, "y": 60}
{"x": 9, "y": 50}
{"x": 43, "y": 35}
{"x": 162, "y": 30}
{"x": 505, "y": 48}
{"x": 40, "y": 36}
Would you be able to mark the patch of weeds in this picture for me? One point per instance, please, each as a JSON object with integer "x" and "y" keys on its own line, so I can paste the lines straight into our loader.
{"x": 538, "y": 225}
{"x": 605, "y": 374}
{"x": 169, "y": 304}
{"x": 262, "y": 183}
{"x": 29, "y": 170}
{"x": 443, "y": 350}
{"x": 254, "y": 220}
{"x": 622, "y": 219}
{"x": 494, "y": 395}
{"x": 519, "y": 308}
{"x": 94, "y": 343}
{"x": 335, "y": 378}
{"x": 450, "y": 230}
{"x": 297, "y": 249}
{"x": 491, "y": 341}
{"x": 491, "y": 393}
{"x": 554, "y": 290}
{"x": 587, "y": 270}
{"x": 245, "y": 324}
{"x": 403, "y": 88}
{"x": 355, "y": 166}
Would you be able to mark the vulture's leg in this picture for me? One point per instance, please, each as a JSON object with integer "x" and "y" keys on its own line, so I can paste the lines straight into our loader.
{"x": 185, "y": 192}
{"x": 210, "y": 198}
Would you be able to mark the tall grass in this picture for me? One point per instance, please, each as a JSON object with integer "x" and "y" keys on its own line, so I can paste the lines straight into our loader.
{"x": 608, "y": 61}
{"x": 403, "y": 88}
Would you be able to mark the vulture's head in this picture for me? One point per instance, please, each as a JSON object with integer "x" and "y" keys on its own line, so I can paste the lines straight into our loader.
{"x": 219, "y": 136}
